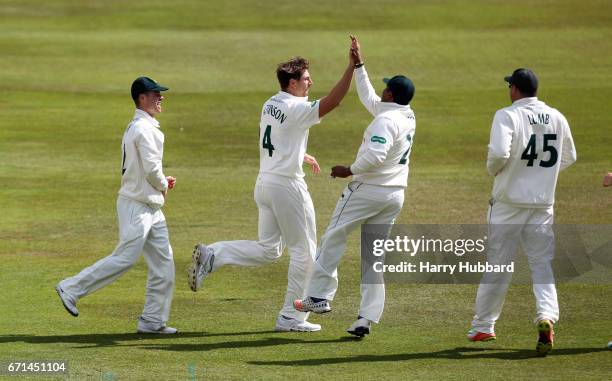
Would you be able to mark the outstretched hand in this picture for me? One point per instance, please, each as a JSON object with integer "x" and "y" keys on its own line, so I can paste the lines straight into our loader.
{"x": 351, "y": 54}
{"x": 312, "y": 161}
{"x": 356, "y": 50}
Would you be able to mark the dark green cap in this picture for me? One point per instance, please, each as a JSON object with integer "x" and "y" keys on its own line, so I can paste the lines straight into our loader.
{"x": 401, "y": 87}
{"x": 524, "y": 79}
{"x": 143, "y": 84}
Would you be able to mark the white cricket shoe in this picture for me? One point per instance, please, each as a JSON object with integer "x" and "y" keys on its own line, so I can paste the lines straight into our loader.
{"x": 285, "y": 324}
{"x": 144, "y": 327}
{"x": 309, "y": 305}
{"x": 360, "y": 327}
{"x": 201, "y": 265}
{"x": 67, "y": 301}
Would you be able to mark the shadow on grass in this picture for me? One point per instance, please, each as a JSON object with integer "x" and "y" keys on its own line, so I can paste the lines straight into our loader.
{"x": 112, "y": 339}
{"x": 267, "y": 342}
{"x": 460, "y": 353}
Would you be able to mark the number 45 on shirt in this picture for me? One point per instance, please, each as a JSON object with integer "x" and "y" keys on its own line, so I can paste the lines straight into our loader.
{"x": 530, "y": 154}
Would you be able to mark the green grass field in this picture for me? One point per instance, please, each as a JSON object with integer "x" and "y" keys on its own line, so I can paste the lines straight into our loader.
{"x": 65, "y": 71}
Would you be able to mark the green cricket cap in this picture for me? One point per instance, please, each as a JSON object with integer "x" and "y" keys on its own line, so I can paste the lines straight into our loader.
{"x": 144, "y": 84}
{"x": 524, "y": 79}
{"x": 401, "y": 87}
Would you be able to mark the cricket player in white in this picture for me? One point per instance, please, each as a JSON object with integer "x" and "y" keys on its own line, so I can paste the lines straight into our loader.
{"x": 375, "y": 196}
{"x": 286, "y": 212}
{"x": 530, "y": 143}
{"x": 142, "y": 225}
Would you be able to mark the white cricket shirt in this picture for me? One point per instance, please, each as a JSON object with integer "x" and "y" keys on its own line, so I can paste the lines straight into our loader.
{"x": 283, "y": 134}
{"x": 142, "y": 148}
{"x": 530, "y": 143}
{"x": 384, "y": 154}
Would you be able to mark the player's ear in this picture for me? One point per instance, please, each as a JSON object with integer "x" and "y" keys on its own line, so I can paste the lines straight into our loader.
{"x": 292, "y": 83}
{"x": 387, "y": 95}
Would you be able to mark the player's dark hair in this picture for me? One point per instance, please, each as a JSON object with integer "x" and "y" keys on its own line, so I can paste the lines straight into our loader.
{"x": 292, "y": 69}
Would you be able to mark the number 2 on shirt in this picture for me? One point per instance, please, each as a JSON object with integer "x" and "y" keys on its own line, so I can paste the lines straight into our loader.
{"x": 404, "y": 158}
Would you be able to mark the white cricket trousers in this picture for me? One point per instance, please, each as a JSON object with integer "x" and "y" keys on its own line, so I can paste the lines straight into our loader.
{"x": 359, "y": 204}
{"x": 510, "y": 226}
{"x": 142, "y": 229}
{"x": 286, "y": 217}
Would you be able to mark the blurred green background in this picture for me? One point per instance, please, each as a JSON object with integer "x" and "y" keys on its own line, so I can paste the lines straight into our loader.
{"x": 65, "y": 71}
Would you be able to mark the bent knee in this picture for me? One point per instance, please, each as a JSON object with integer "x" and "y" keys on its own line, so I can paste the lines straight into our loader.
{"x": 273, "y": 252}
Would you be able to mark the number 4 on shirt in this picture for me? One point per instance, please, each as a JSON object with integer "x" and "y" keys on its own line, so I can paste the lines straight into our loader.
{"x": 266, "y": 143}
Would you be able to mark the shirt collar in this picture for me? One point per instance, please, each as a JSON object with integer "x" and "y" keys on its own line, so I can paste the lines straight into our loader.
{"x": 286, "y": 95}
{"x": 524, "y": 101}
{"x": 390, "y": 106}
{"x": 143, "y": 114}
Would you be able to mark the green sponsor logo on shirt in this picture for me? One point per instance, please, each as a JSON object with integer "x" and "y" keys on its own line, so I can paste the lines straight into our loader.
{"x": 378, "y": 139}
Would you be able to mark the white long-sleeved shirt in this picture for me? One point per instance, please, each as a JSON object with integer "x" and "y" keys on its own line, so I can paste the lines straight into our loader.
{"x": 530, "y": 143}
{"x": 283, "y": 134}
{"x": 384, "y": 154}
{"x": 142, "y": 146}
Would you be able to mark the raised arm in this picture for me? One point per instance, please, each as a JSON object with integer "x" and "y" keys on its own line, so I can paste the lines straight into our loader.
{"x": 367, "y": 94}
{"x": 335, "y": 96}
